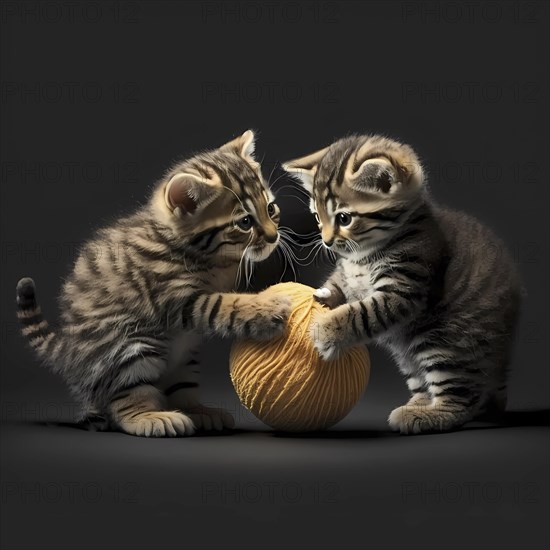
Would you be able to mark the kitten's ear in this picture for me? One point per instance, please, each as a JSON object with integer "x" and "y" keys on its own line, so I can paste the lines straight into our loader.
{"x": 187, "y": 193}
{"x": 375, "y": 175}
{"x": 243, "y": 145}
{"x": 386, "y": 171}
{"x": 305, "y": 168}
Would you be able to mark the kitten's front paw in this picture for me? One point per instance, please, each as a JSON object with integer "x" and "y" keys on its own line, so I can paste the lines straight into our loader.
{"x": 322, "y": 295}
{"x": 328, "y": 297}
{"x": 404, "y": 419}
{"x": 426, "y": 418}
{"x": 326, "y": 334}
{"x": 158, "y": 424}
{"x": 209, "y": 418}
{"x": 271, "y": 313}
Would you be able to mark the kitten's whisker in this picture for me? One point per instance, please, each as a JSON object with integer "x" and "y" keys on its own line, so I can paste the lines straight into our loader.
{"x": 294, "y": 243}
{"x": 357, "y": 247}
{"x": 332, "y": 255}
{"x": 312, "y": 242}
{"x": 352, "y": 245}
{"x": 308, "y": 245}
{"x": 237, "y": 196}
{"x": 317, "y": 251}
{"x": 312, "y": 254}
{"x": 289, "y": 240}
{"x": 269, "y": 182}
{"x": 313, "y": 245}
{"x": 249, "y": 267}
{"x": 291, "y": 259}
{"x": 298, "y": 188}
{"x": 288, "y": 257}
{"x": 238, "y": 275}
{"x": 290, "y": 230}
{"x": 278, "y": 178}
{"x": 306, "y": 204}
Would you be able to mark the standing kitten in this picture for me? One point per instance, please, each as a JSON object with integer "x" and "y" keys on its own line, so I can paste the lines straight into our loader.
{"x": 435, "y": 287}
{"x": 145, "y": 290}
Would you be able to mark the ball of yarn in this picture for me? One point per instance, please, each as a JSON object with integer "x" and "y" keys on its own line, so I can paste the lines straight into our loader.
{"x": 285, "y": 383}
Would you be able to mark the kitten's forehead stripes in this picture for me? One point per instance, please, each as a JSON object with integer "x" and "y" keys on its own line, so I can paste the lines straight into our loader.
{"x": 343, "y": 151}
{"x": 329, "y": 195}
{"x": 343, "y": 165}
{"x": 226, "y": 177}
{"x": 200, "y": 169}
{"x": 247, "y": 192}
{"x": 319, "y": 183}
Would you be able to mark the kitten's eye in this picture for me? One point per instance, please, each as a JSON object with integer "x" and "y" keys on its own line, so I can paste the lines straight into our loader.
{"x": 317, "y": 219}
{"x": 343, "y": 219}
{"x": 271, "y": 208}
{"x": 245, "y": 223}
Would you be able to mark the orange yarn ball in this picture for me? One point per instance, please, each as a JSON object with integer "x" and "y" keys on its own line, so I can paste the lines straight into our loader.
{"x": 286, "y": 384}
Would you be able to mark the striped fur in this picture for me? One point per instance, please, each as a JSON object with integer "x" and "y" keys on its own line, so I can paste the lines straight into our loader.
{"x": 145, "y": 291}
{"x": 433, "y": 286}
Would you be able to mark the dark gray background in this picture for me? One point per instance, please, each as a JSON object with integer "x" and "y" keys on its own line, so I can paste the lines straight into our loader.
{"x": 98, "y": 98}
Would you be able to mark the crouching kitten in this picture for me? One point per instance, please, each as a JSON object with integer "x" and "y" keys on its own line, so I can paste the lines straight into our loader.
{"x": 432, "y": 285}
{"x": 144, "y": 291}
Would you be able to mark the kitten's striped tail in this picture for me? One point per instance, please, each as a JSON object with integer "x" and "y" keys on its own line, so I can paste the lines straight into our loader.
{"x": 33, "y": 325}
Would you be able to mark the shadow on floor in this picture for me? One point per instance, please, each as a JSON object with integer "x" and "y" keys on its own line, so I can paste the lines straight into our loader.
{"x": 525, "y": 418}
{"x": 510, "y": 419}
{"x": 91, "y": 427}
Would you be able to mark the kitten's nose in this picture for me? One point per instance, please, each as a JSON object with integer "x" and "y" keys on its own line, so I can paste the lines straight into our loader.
{"x": 271, "y": 238}
{"x": 328, "y": 244}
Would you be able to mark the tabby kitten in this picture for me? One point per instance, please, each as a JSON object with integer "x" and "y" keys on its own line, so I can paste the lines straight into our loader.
{"x": 144, "y": 291}
{"x": 433, "y": 286}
